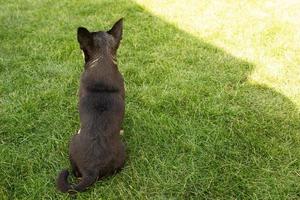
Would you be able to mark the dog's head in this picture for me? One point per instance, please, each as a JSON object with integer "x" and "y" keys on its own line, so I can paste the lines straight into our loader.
{"x": 100, "y": 44}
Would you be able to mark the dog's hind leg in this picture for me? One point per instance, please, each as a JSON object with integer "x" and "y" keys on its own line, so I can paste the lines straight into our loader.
{"x": 75, "y": 169}
{"x": 120, "y": 158}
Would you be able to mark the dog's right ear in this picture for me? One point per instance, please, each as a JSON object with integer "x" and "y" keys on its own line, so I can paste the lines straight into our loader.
{"x": 116, "y": 31}
{"x": 84, "y": 37}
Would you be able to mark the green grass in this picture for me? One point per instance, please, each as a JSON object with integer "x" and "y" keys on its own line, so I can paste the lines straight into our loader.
{"x": 196, "y": 126}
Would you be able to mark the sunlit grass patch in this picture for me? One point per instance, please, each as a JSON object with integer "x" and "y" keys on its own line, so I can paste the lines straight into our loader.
{"x": 266, "y": 33}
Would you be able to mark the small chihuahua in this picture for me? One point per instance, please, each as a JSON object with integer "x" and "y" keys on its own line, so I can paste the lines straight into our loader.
{"x": 97, "y": 151}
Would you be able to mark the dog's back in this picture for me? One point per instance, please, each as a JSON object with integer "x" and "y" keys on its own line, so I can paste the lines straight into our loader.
{"x": 97, "y": 150}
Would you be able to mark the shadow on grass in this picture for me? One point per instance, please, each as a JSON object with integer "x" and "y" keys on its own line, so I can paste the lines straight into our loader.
{"x": 195, "y": 127}
{"x": 196, "y": 118}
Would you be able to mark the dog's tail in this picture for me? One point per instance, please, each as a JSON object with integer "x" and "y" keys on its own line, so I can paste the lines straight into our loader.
{"x": 62, "y": 181}
{"x": 64, "y": 186}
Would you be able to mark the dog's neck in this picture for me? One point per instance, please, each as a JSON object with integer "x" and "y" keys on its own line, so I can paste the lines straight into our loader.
{"x": 93, "y": 63}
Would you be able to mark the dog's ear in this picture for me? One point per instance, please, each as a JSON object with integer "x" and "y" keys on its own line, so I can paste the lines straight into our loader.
{"x": 84, "y": 37}
{"x": 117, "y": 30}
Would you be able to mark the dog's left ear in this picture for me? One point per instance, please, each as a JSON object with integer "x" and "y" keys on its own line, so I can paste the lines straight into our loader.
{"x": 116, "y": 31}
{"x": 84, "y": 37}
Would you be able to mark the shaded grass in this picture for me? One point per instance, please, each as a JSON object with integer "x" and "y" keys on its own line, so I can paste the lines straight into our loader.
{"x": 195, "y": 127}
{"x": 265, "y": 33}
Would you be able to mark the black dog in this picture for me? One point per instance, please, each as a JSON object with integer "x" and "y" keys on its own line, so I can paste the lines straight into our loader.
{"x": 96, "y": 150}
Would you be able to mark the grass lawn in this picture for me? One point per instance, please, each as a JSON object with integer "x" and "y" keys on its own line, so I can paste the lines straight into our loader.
{"x": 212, "y": 102}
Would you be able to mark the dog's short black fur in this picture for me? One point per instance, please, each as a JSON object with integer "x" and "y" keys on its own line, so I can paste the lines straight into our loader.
{"x": 96, "y": 150}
